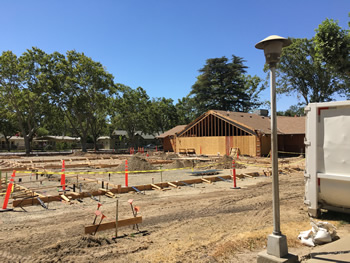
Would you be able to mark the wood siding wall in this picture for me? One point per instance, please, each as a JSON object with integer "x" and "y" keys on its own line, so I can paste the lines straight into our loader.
{"x": 265, "y": 144}
{"x": 214, "y": 145}
{"x": 291, "y": 143}
{"x": 169, "y": 144}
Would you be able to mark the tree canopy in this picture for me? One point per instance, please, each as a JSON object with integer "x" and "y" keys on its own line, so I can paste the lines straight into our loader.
{"x": 223, "y": 85}
{"x": 25, "y": 83}
{"x": 332, "y": 44}
{"x": 302, "y": 74}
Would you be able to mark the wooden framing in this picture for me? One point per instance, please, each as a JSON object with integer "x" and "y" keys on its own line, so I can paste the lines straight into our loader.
{"x": 110, "y": 225}
{"x": 211, "y": 134}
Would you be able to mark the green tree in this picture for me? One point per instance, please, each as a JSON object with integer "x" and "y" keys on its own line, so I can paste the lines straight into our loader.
{"x": 186, "y": 111}
{"x": 163, "y": 115}
{"x": 25, "y": 83}
{"x": 301, "y": 73}
{"x": 8, "y": 124}
{"x": 98, "y": 125}
{"x": 222, "y": 85}
{"x": 332, "y": 44}
{"x": 82, "y": 88}
{"x": 294, "y": 110}
{"x": 131, "y": 111}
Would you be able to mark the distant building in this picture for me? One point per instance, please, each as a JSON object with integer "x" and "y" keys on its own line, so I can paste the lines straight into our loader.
{"x": 50, "y": 140}
{"x": 168, "y": 138}
{"x": 16, "y": 143}
{"x": 120, "y": 140}
{"x": 221, "y": 132}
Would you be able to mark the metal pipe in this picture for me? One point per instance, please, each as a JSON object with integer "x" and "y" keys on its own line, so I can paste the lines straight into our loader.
{"x": 274, "y": 148}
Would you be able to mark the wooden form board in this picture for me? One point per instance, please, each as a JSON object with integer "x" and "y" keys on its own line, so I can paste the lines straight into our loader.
{"x": 49, "y": 199}
{"x": 110, "y": 225}
{"x": 118, "y": 190}
{"x": 70, "y": 159}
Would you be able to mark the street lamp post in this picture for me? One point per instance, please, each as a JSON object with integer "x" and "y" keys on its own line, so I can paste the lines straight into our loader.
{"x": 276, "y": 243}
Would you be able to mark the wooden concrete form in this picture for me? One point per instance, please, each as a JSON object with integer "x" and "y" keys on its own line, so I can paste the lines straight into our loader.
{"x": 118, "y": 190}
{"x": 110, "y": 225}
{"x": 50, "y": 163}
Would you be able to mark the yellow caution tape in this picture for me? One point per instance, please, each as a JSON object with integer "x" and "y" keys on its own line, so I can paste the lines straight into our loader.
{"x": 291, "y": 152}
{"x": 147, "y": 171}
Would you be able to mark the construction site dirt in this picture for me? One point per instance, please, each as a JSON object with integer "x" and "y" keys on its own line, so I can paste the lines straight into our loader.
{"x": 196, "y": 222}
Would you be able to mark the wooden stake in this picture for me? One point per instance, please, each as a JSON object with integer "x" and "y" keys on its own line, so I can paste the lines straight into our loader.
{"x": 116, "y": 219}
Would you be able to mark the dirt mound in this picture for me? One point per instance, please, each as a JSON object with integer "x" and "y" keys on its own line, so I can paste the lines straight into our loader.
{"x": 188, "y": 163}
{"x": 136, "y": 163}
{"x": 226, "y": 163}
{"x": 180, "y": 164}
{"x": 169, "y": 156}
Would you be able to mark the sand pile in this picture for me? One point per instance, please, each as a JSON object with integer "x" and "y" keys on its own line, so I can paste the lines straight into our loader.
{"x": 179, "y": 164}
{"x": 169, "y": 156}
{"x": 136, "y": 163}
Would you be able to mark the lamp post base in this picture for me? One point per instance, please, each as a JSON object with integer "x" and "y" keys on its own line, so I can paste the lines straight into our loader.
{"x": 277, "y": 245}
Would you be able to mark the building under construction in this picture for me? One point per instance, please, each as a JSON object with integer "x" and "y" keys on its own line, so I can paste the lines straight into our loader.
{"x": 222, "y": 132}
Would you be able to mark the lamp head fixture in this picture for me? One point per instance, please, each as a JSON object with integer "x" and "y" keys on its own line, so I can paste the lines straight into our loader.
{"x": 272, "y": 47}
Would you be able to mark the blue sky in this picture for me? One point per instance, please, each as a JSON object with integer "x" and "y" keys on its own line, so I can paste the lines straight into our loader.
{"x": 161, "y": 45}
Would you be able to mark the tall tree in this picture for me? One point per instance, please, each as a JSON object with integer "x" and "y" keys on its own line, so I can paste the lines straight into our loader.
{"x": 186, "y": 111}
{"x": 332, "y": 44}
{"x": 163, "y": 115}
{"x": 131, "y": 111}
{"x": 8, "y": 124}
{"x": 82, "y": 88}
{"x": 294, "y": 110}
{"x": 301, "y": 73}
{"x": 222, "y": 85}
{"x": 24, "y": 82}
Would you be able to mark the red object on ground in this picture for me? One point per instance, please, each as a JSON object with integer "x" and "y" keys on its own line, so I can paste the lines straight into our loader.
{"x": 126, "y": 173}
{"x": 63, "y": 176}
{"x": 137, "y": 209}
{"x": 8, "y": 191}
{"x": 234, "y": 173}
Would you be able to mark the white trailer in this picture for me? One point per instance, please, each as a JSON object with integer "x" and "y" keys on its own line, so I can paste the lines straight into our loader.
{"x": 327, "y": 149}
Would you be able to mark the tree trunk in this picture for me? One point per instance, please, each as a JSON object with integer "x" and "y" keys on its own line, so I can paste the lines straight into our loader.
{"x": 27, "y": 144}
{"x": 95, "y": 143}
{"x": 83, "y": 143}
{"x": 8, "y": 145}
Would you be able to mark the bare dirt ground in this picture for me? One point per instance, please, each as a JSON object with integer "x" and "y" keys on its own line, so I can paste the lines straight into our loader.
{"x": 205, "y": 223}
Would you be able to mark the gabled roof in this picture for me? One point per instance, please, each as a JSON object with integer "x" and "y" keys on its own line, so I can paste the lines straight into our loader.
{"x": 256, "y": 123}
{"x": 103, "y": 138}
{"x": 63, "y": 138}
{"x": 146, "y": 136}
{"x": 172, "y": 131}
{"x": 291, "y": 125}
{"x": 120, "y": 132}
{"x": 249, "y": 120}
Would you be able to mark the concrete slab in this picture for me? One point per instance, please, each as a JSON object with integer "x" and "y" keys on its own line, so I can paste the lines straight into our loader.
{"x": 263, "y": 257}
{"x": 337, "y": 251}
